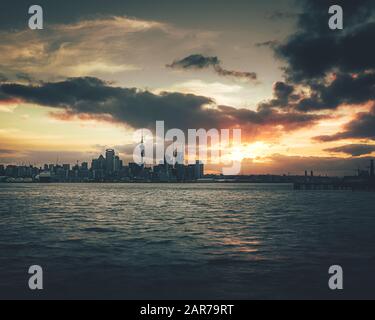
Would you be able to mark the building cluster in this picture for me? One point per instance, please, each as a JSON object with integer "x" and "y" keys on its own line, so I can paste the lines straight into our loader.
{"x": 108, "y": 168}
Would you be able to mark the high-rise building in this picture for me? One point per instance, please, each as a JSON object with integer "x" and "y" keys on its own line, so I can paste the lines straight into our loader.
{"x": 95, "y": 164}
{"x": 98, "y": 164}
{"x": 135, "y": 169}
{"x": 124, "y": 173}
{"x": 180, "y": 172}
{"x": 84, "y": 166}
{"x": 372, "y": 172}
{"x": 110, "y": 160}
{"x": 117, "y": 164}
{"x": 199, "y": 169}
{"x": 102, "y": 162}
{"x": 98, "y": 168}
{"x": 190, "y": 172}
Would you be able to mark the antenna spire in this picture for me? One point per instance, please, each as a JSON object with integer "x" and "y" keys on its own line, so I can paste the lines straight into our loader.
{"x": 142, "y": 148}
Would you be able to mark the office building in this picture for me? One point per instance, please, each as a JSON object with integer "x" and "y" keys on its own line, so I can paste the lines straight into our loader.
{"x": 110, "y": 161}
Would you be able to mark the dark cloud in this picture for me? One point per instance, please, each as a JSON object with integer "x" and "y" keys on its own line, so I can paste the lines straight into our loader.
{"x": 312, "y": 57}
{"x": 284, "y": 96}
{"x": 95, "y": 98}
{"x": 282, "y": 90}
{"x": 250, "y": 76}
{"x": 314, "y": 50}
{"x": 362, "y": 127}
{"x": 92, "y": 98}
{"x": 195, "y": 61}
{"x": 14, "y": 14}
{"x": 196, "y": 13}
{"x": 344, "y": 89}
{"x": 270, "y": 43}
{"x": 354, "y": 150}
{"x": 198, "y": 61}
{"x": 269, "y": 117}
{"x": 330, "y": 68}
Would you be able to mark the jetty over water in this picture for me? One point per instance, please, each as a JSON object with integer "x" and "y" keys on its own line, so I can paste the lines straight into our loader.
{"x": 364, "y": 181}
{"x": 336, "y": 185}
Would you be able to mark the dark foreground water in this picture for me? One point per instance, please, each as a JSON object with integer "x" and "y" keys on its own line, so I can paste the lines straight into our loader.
{"x": 199, "y": 241}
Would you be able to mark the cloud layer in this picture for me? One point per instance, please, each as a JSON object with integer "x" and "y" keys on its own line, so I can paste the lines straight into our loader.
{"x": 327, "y": 69}
{"x": 105, "y": 46}
{"x": 92, "y": 98}
{"x": 362, "y": 127}
{"x": 354, "y": 150}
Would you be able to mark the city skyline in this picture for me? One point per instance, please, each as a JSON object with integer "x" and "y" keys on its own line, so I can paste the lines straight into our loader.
{"x": 111, "y": 163}
{"x": 108, "y": 168}
{"x": 296, "y": 168}
{"x": 298, "y": 105}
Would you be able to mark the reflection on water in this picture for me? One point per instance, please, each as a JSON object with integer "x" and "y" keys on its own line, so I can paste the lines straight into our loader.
{"x": 185, "y": 241}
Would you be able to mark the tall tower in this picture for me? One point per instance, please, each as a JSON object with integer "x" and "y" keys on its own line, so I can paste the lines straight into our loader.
{"x": 372, "y": 172}
{"x": 175, "y": 155}
{"x": 142, "y": 146}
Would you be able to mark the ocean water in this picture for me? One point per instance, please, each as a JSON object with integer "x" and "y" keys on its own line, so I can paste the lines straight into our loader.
{"x": 185, "y": 241}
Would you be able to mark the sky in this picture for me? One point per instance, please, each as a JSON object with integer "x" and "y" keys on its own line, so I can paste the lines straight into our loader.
{"x": 302, "y": 94}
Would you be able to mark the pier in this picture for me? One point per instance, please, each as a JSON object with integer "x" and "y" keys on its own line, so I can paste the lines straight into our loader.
{"x": 342, "y": 185}
{"x": 364, "y": 181}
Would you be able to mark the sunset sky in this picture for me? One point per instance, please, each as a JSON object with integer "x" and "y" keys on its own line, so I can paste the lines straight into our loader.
{"x": 302, "y": 94}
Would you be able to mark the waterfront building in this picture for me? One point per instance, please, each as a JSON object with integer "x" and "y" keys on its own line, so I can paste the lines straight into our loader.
{"x": 199, "y": 170}
{"x": 117, "y": 164}
{"x": 110, "y": 161}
